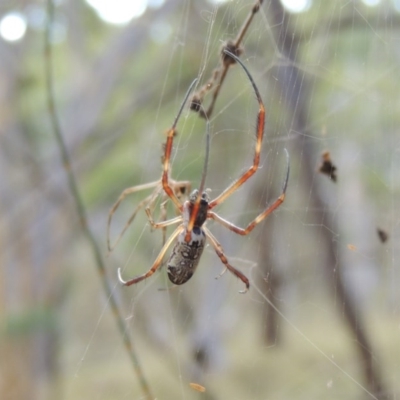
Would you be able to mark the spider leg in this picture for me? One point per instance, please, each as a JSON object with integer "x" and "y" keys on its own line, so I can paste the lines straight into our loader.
{"x": 162, "y": 224}
{"x": 220, "y": 252}
{"x": 168, "y": 150}
{"x": 111, "y": 246}
{"x": 259, "y": 137}
{"x": 196, "y": 205}
{"x": 163, "y": 215}
{"x": 180, "y": 188}
{"x": 222, "y": 273}
{"x": 122, "y": 196}
{"x": 157, "y": 263}
{"x": 260, "y": 217}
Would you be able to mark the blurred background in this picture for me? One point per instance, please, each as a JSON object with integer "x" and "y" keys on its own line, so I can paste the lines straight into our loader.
{"x": 322, "y": 316}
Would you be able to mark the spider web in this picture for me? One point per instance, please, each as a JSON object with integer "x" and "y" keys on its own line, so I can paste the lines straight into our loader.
{"x": 321, "y": 317}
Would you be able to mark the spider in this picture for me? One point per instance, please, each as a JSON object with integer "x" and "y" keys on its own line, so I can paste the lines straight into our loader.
{"x": 180, "y": 189}
{"x": 191, "y": 235}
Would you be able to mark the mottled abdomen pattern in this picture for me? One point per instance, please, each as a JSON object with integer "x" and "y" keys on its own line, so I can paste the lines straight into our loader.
{"x": 185, "y": 256}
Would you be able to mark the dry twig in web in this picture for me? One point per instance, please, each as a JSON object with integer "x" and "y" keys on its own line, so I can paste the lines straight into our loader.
{"x": 219, "y": 74}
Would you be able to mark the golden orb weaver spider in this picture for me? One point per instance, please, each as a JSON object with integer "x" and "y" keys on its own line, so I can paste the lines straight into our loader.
{"x": 192, "y": 233}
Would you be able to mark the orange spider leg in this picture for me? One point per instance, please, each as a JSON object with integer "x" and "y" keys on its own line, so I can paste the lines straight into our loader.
{"x": 260, "y": 133}
{"x": 251, "y": 225}
{"x": 261, "y": 216}
{"x": 157, "y": 263}
{"x": 168, "y": 150}
{"x": 149, "y": 199}
{"x": 179, "y": 188}
{"x": 221, "y": 255}
{"x": 162, "y": 224}
{"x": 196, "y": 205}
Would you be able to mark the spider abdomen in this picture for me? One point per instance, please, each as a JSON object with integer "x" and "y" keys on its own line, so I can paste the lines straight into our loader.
{"x": 185, "y": 256}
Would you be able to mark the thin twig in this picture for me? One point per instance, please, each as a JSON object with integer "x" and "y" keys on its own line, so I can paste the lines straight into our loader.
{"x": 122, "y": 326}
{"x": 233, "y": 46}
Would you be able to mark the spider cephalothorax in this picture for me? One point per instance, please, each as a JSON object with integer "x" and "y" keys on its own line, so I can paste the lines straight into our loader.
{"x": 201, "y": 216}
{"x": 191, "y": 234}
